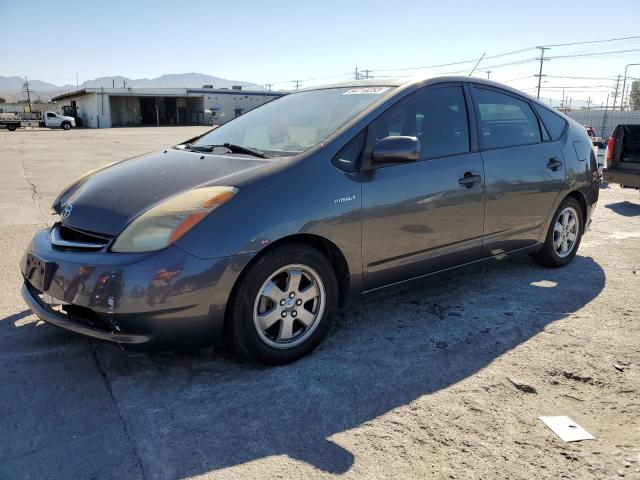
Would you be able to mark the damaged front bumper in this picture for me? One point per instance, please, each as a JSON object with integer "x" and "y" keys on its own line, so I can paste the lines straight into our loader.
{"x": 165, "y": 299}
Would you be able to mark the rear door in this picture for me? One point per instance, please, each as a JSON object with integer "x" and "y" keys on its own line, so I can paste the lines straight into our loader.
{"x": 427, "y": 215}
{"x": 524, "y": 170}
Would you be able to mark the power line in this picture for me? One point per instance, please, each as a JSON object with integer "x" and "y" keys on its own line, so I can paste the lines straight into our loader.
{"x": 520, "y": 78}
{"x": 593, "y": 41}
{"x": 581, "y": 78}
{"x": 595, "y": 54}
{"x": 500, "y": 65}
{"x": 461, "y": 62}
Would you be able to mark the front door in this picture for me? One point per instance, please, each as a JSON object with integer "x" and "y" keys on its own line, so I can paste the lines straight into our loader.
{"x": 523, "y": 174}
{"x": 52, "y": 120}
{"x": 427, "y": 215}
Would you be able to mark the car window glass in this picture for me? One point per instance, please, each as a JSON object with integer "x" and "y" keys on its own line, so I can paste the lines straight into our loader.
{"x": 505, "y": 121}
{"x": 552, "y": 121}
{"x": 436, "y": 116}
{"x": 295, "y": 122}
{"x": 50, "y": 115}
{"x": 348, "y": 157}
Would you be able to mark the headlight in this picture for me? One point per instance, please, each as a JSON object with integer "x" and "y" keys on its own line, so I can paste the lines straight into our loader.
{"x": 165, "y": 223}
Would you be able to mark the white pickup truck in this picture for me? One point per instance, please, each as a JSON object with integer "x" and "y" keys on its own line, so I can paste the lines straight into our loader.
{"x": 48, "y": 119}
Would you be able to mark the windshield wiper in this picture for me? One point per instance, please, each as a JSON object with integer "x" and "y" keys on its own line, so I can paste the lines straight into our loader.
{"x": 248, "y": 150}
{"x": 233, "y": 148}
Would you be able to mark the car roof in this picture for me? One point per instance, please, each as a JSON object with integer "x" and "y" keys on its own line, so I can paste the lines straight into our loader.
{"x": 422, "y": 80}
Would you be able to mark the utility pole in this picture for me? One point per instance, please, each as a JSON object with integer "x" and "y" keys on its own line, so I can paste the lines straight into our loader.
{"x": 624, "y": 83}
{"x": 26, "y": 86}
{"x": 542, "y": 60}
{"x": 268, "y": 85}
{"x": 357, "y": 74}
{"x": 366, "y": 74}
{"x": 562, "y": 102}
{"x": 488, "y": 74}
{"x": 604, "y": 117}
{"x": 615, "y": 95}
{"x": 297, "y": 82}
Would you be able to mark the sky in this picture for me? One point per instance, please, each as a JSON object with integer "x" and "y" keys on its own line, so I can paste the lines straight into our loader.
{"x": 279, "y": 41}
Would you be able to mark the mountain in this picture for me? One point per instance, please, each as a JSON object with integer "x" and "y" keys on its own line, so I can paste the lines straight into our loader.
{"x": 169, "y": 80}
{"x": 11, "y": 88}
{"x": 16, "y": 84}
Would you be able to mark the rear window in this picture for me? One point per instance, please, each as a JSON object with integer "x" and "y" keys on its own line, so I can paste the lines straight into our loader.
{"x": 505, "y": 121}
{"x": 553, "y": 122}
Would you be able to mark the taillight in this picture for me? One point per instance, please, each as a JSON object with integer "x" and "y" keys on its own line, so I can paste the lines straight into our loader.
{"x": 610, "y": 145}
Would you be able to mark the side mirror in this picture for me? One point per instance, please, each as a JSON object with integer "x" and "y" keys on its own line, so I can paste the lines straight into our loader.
{"x": 398, "y": 149}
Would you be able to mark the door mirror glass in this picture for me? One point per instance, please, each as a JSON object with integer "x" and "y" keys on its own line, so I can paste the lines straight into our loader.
{"x": 396, "y": 149}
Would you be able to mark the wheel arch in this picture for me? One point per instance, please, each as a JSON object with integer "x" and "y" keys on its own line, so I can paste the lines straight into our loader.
{"x": 329, "y": 249}
{"x": 579, "y": 196}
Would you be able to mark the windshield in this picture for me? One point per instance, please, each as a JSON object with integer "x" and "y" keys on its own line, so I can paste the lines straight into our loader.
{"x": 294, "y": 123}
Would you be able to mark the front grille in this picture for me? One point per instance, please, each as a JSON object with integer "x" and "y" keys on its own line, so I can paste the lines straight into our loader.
{"x": 64, "y": 237}
{"x": 85, "y": 315}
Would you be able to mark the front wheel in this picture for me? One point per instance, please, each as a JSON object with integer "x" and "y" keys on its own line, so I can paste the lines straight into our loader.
{"x": 284, "y": 305}
{"x": 66, "y": 126}
{"x": 564, "y": 235}
{"x": 11, "y": 127}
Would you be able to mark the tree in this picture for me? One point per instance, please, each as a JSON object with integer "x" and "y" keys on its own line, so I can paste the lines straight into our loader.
{"x": 634, "y": 96}
{"x": 2, "y": 100}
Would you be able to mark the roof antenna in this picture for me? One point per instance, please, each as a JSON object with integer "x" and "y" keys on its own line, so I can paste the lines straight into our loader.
{"x": 478, "y": 63}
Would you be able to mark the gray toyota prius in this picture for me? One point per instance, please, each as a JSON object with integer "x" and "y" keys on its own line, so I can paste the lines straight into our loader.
{"x": 256, "y": 232}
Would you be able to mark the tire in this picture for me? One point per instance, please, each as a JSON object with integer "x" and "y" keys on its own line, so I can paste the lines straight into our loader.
{"x": 66, "y": 125}
{"x": 271, "y": 321}
{"x": 11, "y": 127}
{"x": 553, "y": 253}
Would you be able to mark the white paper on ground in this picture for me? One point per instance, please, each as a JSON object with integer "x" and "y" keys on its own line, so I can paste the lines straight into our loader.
{"x": 566, "y": 429}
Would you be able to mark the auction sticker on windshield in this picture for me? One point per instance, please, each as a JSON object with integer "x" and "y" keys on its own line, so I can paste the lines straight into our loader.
{"x": 366, "y": 91}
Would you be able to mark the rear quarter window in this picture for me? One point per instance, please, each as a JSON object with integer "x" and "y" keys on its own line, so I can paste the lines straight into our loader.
{"x": 553, "y": 122}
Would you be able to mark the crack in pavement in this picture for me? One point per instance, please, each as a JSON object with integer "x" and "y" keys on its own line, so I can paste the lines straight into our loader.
{"x": 127, "y": 433}
{"x": 34, "y": 188}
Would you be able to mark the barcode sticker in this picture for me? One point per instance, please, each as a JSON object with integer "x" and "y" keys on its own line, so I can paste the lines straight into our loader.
{"x": 366, "y": 91}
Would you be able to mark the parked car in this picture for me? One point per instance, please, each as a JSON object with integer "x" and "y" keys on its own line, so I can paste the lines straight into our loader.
{"x": 623, "y": 156}
{"x": 307, "y": 203}
{"x": 12, "y": 121}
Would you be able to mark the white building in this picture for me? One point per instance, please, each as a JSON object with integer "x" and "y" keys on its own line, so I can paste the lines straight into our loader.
{"x": 121, "y": 107}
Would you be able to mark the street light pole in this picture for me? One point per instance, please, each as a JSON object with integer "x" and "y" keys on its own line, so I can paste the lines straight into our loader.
{"x": 624, "y": 83}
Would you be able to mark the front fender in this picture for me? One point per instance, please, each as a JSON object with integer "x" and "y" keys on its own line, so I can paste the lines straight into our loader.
{"x": 310, "y": 196}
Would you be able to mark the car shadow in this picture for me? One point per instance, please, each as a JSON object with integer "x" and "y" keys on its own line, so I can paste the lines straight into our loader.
{"x": 626, "y": 208}
{"x": 190, "y": 413}
{"x": 193, "y": 412}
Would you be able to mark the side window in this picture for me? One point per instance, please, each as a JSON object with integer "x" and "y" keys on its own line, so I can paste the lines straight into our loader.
{"x": 348, "y": 158}
{"x": 505, "y": 121}
{"x": 552, "y": 121}
{"x": 51, "y": 115}
{"x": 436, "y": 115}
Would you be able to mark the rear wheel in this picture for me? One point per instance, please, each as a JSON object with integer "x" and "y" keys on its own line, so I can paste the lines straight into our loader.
{"x": 11, "y": 127}
{"x": 564, "y": 235}
{"x": 284, "y": 305}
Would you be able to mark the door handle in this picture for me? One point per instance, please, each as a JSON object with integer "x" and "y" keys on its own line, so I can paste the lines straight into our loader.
{"x": 469, "y": 180}
{"x": 554, "y": 164}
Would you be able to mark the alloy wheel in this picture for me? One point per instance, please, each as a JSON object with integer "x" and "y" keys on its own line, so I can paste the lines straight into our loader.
{"x": 565, "y": 232}
{"x": 289, "y": 306}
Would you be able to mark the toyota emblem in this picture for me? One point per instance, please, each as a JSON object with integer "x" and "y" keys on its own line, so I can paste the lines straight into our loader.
{"x": 66, "y": 212}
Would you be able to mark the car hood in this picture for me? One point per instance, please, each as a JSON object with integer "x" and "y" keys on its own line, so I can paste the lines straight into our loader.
{"x": 107, "y": 200}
